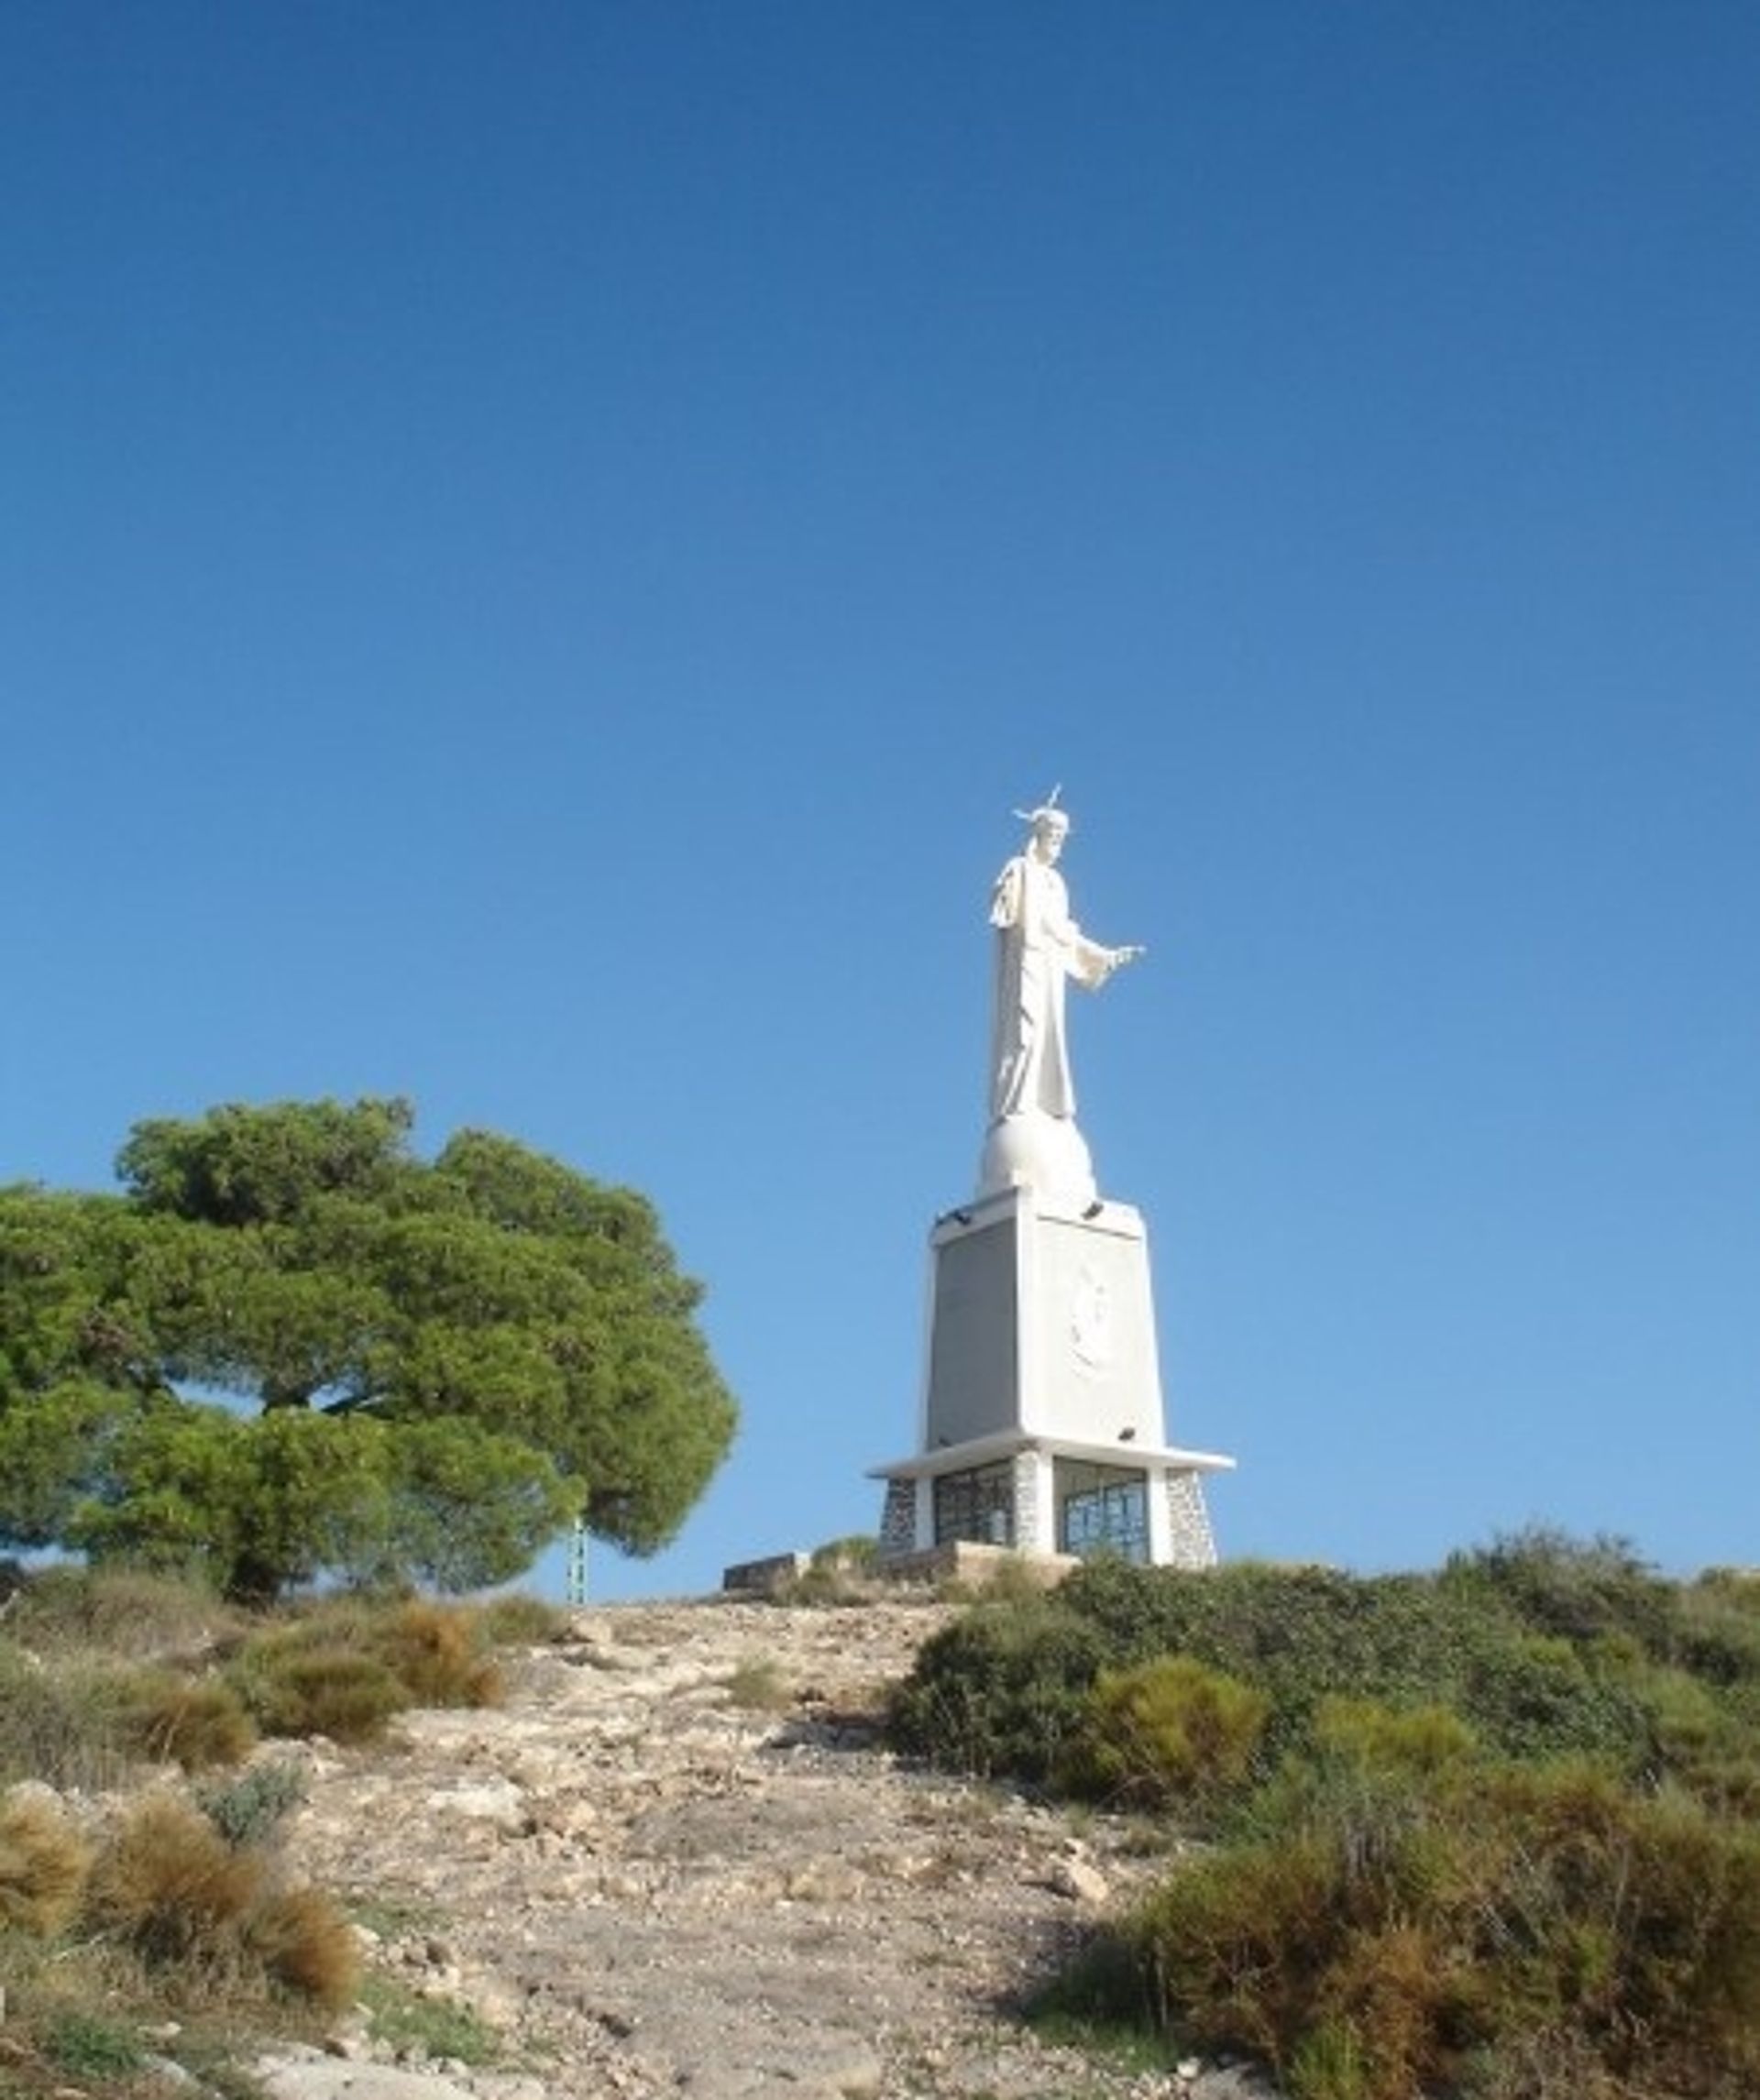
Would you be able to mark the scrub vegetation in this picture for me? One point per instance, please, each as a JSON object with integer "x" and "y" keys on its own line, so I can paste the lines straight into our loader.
{"x": 1491, "y": 1832}
{"x": 146, "y": 1908}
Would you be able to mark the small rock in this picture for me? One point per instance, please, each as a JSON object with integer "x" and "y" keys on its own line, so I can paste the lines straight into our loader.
{"x": 1076, "y": 1878}
{"x": 859, "y": 2079}
{"x": 348, "y": 2038}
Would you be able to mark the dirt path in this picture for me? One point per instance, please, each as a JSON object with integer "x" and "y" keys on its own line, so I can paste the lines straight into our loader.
{"x": 679, "y": 1862}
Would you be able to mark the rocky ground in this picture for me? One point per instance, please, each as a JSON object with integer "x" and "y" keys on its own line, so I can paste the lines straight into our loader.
{"x": 679, "y": 1862}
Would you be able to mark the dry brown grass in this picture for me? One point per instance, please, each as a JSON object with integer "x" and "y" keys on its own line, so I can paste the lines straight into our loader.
{"x": 170, "y": 1887}
{"x": 117, "y": 1611}
{"x": 436, "y": 1650}
{"x": 307, "y": 1946}
{"x": 43, "y": 1865}
{"x": 168, "y": 1884}
{"x": 198, "y": 1723}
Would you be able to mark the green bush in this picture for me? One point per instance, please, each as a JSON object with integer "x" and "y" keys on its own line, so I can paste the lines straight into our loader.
{"x": 1299, "y": 1634}
{"x": 1532, "y": 1695}
{"x": 1718, "y": 1630}
{"x": 1299, "y": 1637}
{"x": 1385, "y": 1931}
{"x": 1574, "y": 1589}
{"x": 251, "y": 1809}
{"x": 86, "y": 2045}
{"x": 1165, "y": 1734}
{"x": 1002, "y": 1690}
{"x": 298, "y": 1687}
{"x": 1414, "y": 1742}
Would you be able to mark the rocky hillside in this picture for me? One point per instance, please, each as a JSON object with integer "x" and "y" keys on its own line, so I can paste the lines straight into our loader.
{"x": 678, "y": 1862}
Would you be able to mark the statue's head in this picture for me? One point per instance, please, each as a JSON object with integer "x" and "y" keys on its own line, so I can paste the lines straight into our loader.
{"x": 1050, "y": 825}
{"x": 1051, "y": 828}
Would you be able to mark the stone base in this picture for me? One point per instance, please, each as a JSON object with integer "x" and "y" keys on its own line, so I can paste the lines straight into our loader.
{"x": 961, "y": 1560}
{"x": 764, "y": 1577}
{"x": 1051, "y": 1497}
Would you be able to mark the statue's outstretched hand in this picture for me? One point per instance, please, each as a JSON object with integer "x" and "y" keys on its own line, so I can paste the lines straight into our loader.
{"x": 1130, "y": 954}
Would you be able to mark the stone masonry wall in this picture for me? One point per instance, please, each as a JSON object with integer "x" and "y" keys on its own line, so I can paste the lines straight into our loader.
{"x": 898, "y": 1520}
{"x": 1192, "y": 1543}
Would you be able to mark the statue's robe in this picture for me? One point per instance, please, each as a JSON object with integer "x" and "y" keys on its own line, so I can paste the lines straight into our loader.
{"x": 1038, "y": 948}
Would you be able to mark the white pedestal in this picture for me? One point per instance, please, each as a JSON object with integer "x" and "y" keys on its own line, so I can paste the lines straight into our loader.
{"x": 1041, "y": 1319}
{"x": 1041, "y": 1423}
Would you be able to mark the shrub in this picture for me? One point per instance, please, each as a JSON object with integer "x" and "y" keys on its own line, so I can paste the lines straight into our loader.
{"x": 307, "y": 1946}
{"x": 413, "y": 2025}
{"x": 343, "y": 1670}
{"x": 522, "y": 1621}
{"x": 43, "y": 1865}
{"x": 1415, "y": 1741}
{"x": 856, "y": 1554}
{"x": 167, "y": 1885}
{"x": 1164, "y": 1732}
{"x": 197, "y": 1724}
{"x": 1003, "y": 1690}
{"x": 1297, "y": 1633}
{"x": 1386, "y": 1931}
{"x": 1718, "y": 1634}
{"x": 85, "y": 2045}
{"x": 295, "y": 1688}
{"x": 63, "y": 1727}
{"x": 757, "y": 1683}
{"x": 1573, "y": 1589}
{"x": 438, "y": 1652}
{"x": 1300, "y": 1634}
{"x": 122, "y": 1611}
{"x": 251, "y": 1811}
{"x": 1539, "y": 1696}
{"x": 841, "y": 1571}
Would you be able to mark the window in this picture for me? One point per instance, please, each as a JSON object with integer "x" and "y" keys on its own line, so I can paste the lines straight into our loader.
{"x": 1101, "y": 1509}
{"x": 978, "y": 1505}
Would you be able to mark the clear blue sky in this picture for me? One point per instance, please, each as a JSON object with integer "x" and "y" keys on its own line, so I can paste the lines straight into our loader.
{"x": 540, "y": 544}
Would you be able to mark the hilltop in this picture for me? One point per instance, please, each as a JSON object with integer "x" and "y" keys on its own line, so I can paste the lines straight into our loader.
{"x": 678, "y": 1861}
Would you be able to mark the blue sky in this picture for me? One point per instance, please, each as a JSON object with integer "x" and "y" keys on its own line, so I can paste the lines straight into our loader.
{"x": 540, "y": 545}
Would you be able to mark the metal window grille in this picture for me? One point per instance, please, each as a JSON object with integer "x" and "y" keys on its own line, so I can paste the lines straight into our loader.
{"x": 978, "y": 1505}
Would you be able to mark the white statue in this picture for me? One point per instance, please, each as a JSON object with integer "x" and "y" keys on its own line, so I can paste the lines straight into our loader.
{"x": 1033, "y": 1137}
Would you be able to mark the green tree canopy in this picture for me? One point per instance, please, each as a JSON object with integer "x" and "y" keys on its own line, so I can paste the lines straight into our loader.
{"x": 291, "y": 1345}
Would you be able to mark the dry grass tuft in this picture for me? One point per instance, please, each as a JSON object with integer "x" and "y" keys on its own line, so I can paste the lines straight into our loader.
{"x": 198, "y": 1723}
{"x": 307, "y": 1946}
{"x": 43, "y": 1865}
{"x": 436, "y": 1650}
{"x": 62, "y": 1726}
{"x": 296, "y": 1687}
{"x": 120, "y": 1612}
{"x": 757, "y": 1684}
{"x": 171, "y": 1889}
{"x": 168, "y": 1884}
